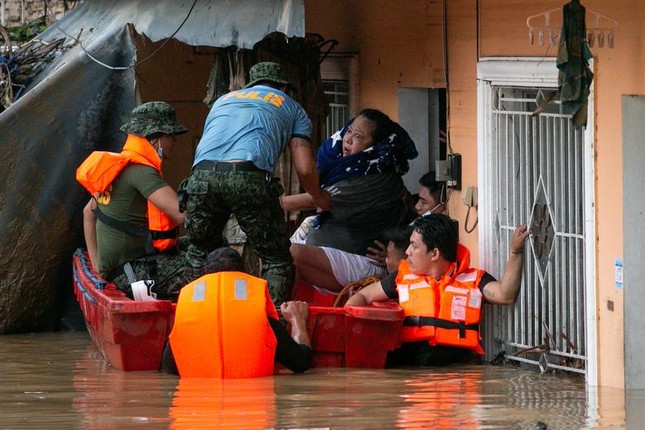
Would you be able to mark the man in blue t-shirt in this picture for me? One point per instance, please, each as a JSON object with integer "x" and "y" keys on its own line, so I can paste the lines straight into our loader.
{"x": 245, "y": 132}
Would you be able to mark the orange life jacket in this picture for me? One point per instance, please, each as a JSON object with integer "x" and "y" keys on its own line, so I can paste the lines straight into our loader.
{"x": 100, "y": 168}
{"x": 445, "y": 311}
{"x": 221, "y": 327}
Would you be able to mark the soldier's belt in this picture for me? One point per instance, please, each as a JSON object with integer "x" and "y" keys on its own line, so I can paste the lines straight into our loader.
{"x": 225, "y": 166}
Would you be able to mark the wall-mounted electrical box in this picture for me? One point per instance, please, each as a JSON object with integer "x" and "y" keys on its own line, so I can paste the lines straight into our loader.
{"x": 449, "y": 170}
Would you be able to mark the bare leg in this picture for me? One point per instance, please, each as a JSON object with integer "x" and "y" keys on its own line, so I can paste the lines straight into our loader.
{"x": 313, "y": 267}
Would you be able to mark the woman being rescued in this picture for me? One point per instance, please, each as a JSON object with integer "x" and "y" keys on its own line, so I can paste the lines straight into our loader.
{"x": 361, "y": 166}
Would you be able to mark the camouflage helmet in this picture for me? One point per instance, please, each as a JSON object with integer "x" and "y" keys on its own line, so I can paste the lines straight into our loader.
{"x": 266, "y": 71}
{"x": 151, "y": 118}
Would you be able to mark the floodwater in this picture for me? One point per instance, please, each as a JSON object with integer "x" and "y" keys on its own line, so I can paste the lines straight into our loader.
{"x": 60, "y": 381}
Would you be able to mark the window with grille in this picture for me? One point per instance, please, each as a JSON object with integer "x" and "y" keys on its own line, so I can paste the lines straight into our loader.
{"x": 337, "y": 92}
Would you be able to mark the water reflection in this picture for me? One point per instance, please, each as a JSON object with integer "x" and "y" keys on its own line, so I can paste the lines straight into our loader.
{"x": 446, "y": 402}
{"x": 109, "y": 398}
{"x": 59, "y": 380}
{"x": 224, "y": 404}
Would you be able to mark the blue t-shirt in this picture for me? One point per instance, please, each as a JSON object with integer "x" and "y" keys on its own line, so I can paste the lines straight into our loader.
{"x": 252, "y": 124}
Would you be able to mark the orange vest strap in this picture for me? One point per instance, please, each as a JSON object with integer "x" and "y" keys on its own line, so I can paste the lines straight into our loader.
{"x": 443, "y": 312}
{"x": 413, "y": 321}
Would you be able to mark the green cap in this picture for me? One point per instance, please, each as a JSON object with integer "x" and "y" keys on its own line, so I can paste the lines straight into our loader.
{"x": 151, "y": 118}
{"x": 266, "y": 71}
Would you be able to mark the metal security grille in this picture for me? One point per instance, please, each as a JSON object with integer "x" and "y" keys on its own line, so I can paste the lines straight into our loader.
{"x": 536, "y": 173}
{"x": 338, "y": 96}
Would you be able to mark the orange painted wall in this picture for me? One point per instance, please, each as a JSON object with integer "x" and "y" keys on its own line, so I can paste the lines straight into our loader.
{"x": 399, "y": 44}
{"x": 462, "y": 106}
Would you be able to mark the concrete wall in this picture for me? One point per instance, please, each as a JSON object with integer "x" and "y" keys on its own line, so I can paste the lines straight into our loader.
{"x": 399, "y": 44}
{"x": 634, "y": 237}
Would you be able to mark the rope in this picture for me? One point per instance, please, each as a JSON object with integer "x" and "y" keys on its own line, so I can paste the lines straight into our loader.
{"x": 357, "y": 285}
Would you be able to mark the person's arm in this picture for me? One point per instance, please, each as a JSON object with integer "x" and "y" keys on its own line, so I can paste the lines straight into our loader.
{"x": 377, "y": 253}
{"x": 303, "y": 161}
{"x": 506, "y": 291}
{"x": 293, "y": 351}
{"x": 166, "y": 199}
{"x": 89, "y": 230}
{"x": 366, "y": 295}
{"x": 297, "y": 202}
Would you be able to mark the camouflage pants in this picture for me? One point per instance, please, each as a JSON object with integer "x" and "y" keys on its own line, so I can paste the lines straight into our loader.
{"x": 169, "y": 272}
{"x": 211, "y": 197}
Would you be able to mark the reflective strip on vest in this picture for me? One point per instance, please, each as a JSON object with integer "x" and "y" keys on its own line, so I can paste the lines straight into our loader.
{"x": 445, "y": 312}
{"x": 221, "y": 327}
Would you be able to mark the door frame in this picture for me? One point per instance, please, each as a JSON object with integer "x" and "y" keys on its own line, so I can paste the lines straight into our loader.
{"x": 536, "y": 72}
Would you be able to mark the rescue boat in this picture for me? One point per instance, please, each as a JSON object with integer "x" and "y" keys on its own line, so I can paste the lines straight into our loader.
{"x": 131, "y": 334}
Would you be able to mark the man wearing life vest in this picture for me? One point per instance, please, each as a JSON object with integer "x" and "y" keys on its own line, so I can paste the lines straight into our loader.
{"x": 130, "y": 223}
{"x": 441, "y": 295}
{"x": 226, "y": 326}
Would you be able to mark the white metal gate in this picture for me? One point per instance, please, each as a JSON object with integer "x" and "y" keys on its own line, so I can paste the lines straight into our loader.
{"x": 535, "y": 171}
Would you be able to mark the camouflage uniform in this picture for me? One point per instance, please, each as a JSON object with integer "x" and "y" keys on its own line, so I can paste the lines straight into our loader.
{"x": 213, "y": 195}
{"x": 153, "y": 117}
{"x": 167, "y": 269}
{"x": 169, "y": 272}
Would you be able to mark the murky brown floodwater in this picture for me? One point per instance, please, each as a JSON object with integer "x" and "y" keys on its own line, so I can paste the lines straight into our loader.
{"x": 60, "y": 381}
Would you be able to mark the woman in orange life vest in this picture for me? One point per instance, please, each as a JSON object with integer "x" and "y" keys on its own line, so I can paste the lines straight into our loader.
{"x": 293, "y": 351}
{"x": 130, "y": 221}
{"x": 440, "y": 294}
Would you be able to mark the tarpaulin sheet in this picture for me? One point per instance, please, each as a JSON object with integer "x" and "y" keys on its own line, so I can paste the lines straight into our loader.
{"x": 75, "y": 106}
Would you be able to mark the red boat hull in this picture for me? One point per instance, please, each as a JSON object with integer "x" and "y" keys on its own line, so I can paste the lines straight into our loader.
{"x": 131, "y": 334}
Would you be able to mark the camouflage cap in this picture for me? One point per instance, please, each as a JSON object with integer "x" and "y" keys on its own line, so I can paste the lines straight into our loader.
{"x": 151, "y": 118}
{"x": 266, "y": 71}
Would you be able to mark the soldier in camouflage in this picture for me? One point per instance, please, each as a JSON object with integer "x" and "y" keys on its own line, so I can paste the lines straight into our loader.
{"x": 244, "y": 134}
{"x": 116, "y": 220}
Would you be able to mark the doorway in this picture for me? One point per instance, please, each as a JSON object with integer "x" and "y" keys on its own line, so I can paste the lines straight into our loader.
{"x": 537, "y": 168}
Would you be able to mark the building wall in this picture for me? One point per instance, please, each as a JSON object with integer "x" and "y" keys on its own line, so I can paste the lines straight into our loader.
{"x": 503, "y": 32}
{"x": 399, "y": 44}
{"x": 178, "y": 75}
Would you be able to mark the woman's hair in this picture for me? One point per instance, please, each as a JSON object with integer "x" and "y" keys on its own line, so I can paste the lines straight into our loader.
{"x": 224, "y": 259}
{"x": 383, "y": 123}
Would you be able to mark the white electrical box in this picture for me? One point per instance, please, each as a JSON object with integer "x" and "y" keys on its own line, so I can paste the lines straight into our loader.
{"x": 470, "y": 196}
